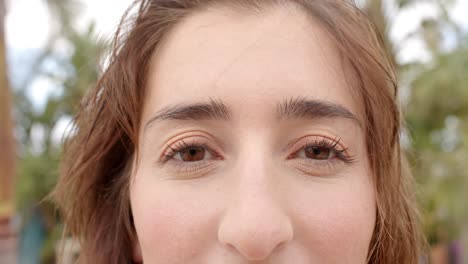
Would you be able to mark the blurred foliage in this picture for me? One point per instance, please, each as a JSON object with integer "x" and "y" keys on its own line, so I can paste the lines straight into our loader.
{"x": 438, "y": 121}
{"x": 38, "y": 174}
{"x": 40, "y": 169}
{"x": 75, "y": 73}
{"x": 436, "y": 110}
{"x": 436, "y": 113}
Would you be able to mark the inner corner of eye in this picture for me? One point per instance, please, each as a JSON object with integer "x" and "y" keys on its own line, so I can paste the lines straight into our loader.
{"x": 292, "y": 155}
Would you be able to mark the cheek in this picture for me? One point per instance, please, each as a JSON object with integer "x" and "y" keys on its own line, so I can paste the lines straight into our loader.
{"x": 337, "y": 221}
{"x": 167, "y": 222}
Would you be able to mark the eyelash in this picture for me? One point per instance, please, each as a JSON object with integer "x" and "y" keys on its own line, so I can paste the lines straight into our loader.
{"x": 332, "y": 144}
{"x": 182, "y": 145}
{"x": 183, "y": 167}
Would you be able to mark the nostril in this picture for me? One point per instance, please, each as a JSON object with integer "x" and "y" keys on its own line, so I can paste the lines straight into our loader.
{"x": 253, "y": 246}
{"x": 280, "y": 246}
{"x": 255, "y": 253}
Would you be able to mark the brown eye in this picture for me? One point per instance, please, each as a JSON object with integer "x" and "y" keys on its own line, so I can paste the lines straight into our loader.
{"x": 192, "y": 154}
{"x": 318, "y": 153}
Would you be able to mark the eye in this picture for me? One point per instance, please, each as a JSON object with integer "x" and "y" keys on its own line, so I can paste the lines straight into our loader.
{"x": 322, "y": 150}
{"x": 183, "y": 152}
{"x": 192, "y": 154}
{"x": 317, "y": 153}
{"x": 192, "y": 159}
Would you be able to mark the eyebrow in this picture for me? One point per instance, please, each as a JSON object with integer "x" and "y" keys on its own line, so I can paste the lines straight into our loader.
{"x": 301, "y": 107}
{"x": 212, "y": 110}
{"x": 293, "y": 108}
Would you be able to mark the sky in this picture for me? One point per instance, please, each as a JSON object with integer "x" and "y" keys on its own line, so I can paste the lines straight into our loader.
{"x": 28, "y": 25}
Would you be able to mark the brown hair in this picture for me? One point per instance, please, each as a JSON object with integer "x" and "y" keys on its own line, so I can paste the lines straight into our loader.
{"x": 93, "y": 189}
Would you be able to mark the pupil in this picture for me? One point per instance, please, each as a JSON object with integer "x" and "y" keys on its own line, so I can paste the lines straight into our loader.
{"x": 318, "y": 153}
{"x": 192, "y": 154}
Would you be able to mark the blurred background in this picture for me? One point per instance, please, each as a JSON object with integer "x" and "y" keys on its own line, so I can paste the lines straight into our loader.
{"x": 51, "y": 52}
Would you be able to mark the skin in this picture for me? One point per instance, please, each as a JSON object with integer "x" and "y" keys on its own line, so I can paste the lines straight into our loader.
{"x": 256, "y": 199}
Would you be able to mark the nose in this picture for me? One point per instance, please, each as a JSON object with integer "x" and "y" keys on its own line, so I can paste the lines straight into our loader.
{"x": 255, "y": 225}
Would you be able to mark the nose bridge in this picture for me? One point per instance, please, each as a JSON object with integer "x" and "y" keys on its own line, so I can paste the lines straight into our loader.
{"x": 254, "y": 223}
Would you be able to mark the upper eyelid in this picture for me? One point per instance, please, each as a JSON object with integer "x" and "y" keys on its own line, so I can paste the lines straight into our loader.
{"x": 206, "y": 142}
{"x": 197, "y": 133}
{"x": 179, "y": 144}
{"x": 298, "y": 144}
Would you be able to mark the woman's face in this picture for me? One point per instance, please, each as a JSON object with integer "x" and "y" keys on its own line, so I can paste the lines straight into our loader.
{"x": 252, "y": 146}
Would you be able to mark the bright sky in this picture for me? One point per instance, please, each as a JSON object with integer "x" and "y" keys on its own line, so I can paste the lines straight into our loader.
{"x": 28, "y": 21}
{"x": 28, "y": 25}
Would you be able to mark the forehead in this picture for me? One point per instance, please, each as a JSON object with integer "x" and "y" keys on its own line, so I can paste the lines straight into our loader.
{"x": 248, "y": 60}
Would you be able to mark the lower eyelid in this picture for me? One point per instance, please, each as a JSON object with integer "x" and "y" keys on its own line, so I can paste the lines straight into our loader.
{"x": 324, "y": 169}
{"x": 184, "y": 167}
{"x": 311, "y": 164}
{"x": 318, "y": 162}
